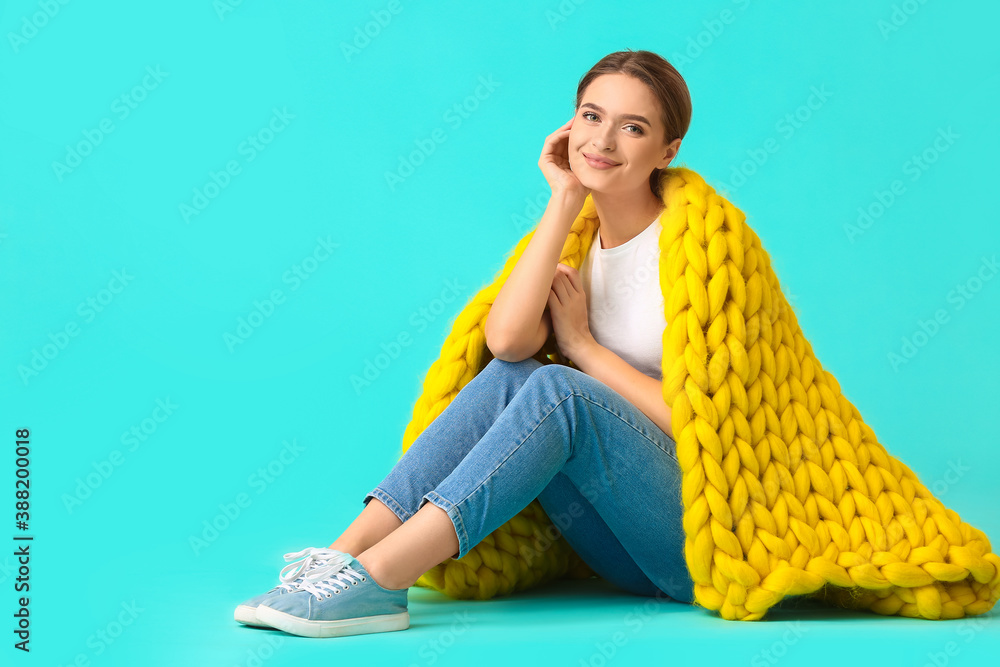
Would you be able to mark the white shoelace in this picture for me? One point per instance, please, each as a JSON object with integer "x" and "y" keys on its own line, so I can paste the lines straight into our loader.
{"x": 310, "y": 558}
{"x": 330, "y": 579}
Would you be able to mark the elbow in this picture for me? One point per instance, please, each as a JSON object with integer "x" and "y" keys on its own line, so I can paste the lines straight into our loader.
{"x": 512, "y": 357}
{"x": 515, "y": 347}
{"x": 504, "y": 350}
{"x": 496, "y": 343}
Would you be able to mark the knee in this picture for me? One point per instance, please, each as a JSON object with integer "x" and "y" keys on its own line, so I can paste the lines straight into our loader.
{"x": 556, "y": 375}
{"x": 519, "y": 369}
{"x": 556, "y": 381}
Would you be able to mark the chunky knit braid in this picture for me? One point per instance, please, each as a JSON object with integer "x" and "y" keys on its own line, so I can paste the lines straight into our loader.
{"x": 786, "y": 490}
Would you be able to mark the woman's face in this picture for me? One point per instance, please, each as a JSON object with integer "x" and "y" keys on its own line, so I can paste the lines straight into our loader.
{"x": 619, "y": 120}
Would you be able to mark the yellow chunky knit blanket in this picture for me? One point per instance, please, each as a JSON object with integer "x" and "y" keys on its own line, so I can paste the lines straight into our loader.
{"x": 786, "y": 490}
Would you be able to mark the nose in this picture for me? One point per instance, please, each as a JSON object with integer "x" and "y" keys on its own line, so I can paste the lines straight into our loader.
{"x": 602, "y": 142}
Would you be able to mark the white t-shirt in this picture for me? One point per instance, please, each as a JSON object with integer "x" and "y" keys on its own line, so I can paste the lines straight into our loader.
{"x": 624, "y": 300}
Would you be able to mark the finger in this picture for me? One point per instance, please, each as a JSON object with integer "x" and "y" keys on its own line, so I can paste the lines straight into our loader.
{"x": 554, "y": 147}
{"x": 574, "y": 278}
{"x": 552, "y": 287}
{"x": 572, "y": 275}
{"x": 558, "y": 273}
{"x": 560, "y": 133}
{"x": 560, "y": 287}
{"x": 564, "y": 268}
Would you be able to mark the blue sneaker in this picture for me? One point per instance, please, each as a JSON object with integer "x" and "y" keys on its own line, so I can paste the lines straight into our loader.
{"x": 291, "y": 576}
{"x": 337, "y": 602}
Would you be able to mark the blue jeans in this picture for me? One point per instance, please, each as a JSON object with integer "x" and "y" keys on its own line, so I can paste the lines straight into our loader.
{"x": 604, "y": 472}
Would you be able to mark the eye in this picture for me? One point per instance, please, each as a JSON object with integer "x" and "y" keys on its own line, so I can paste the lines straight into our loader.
{"x": 638, "y": 130}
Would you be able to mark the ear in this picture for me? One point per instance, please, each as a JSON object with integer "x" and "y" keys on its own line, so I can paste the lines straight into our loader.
{"x": 669, "y": 152}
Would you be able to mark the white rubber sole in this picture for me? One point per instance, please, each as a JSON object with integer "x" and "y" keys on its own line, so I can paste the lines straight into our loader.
{"x": 342, "y": 628}
{"x": 248, "y": 616}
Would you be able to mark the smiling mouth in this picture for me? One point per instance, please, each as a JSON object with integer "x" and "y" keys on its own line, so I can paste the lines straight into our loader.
{"x": 597, "y": 158}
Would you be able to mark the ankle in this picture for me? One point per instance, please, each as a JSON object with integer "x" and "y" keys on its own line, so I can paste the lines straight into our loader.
{"x": 347, "y": 548}
{"x": 378, "y": 575}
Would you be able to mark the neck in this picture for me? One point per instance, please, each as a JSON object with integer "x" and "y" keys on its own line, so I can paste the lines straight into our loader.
{"x": 623, "y": 216}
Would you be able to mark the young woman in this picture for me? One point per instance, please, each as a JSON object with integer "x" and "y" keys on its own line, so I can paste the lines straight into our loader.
{"x": 593, "y": 443}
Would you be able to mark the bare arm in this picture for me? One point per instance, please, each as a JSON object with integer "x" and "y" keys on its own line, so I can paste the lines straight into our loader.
{"x": 518, "y": 323}
{"x": 639, "y": 389}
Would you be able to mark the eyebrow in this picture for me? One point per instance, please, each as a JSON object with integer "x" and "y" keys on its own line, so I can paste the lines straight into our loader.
{"x": 626, "y": 116}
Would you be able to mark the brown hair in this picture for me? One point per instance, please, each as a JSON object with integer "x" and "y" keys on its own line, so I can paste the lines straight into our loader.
{"x": 663, "y": 79}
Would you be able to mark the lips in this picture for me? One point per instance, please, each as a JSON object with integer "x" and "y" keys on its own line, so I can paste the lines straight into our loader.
{"x": 598, "y": 158}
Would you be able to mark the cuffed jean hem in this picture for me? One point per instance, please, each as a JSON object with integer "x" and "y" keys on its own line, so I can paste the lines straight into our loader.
{"x": 451, "y": 509}
{"x": 389, "y": 502}
{"x": 522, "y": 430}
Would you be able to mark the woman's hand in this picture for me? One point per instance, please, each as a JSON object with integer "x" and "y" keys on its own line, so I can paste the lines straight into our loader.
{"x": 568, "y": 308}
{"x": 554, "y": 163}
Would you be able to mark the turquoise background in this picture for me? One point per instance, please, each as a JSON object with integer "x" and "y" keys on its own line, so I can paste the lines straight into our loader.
{"x": 429, "y": 244}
